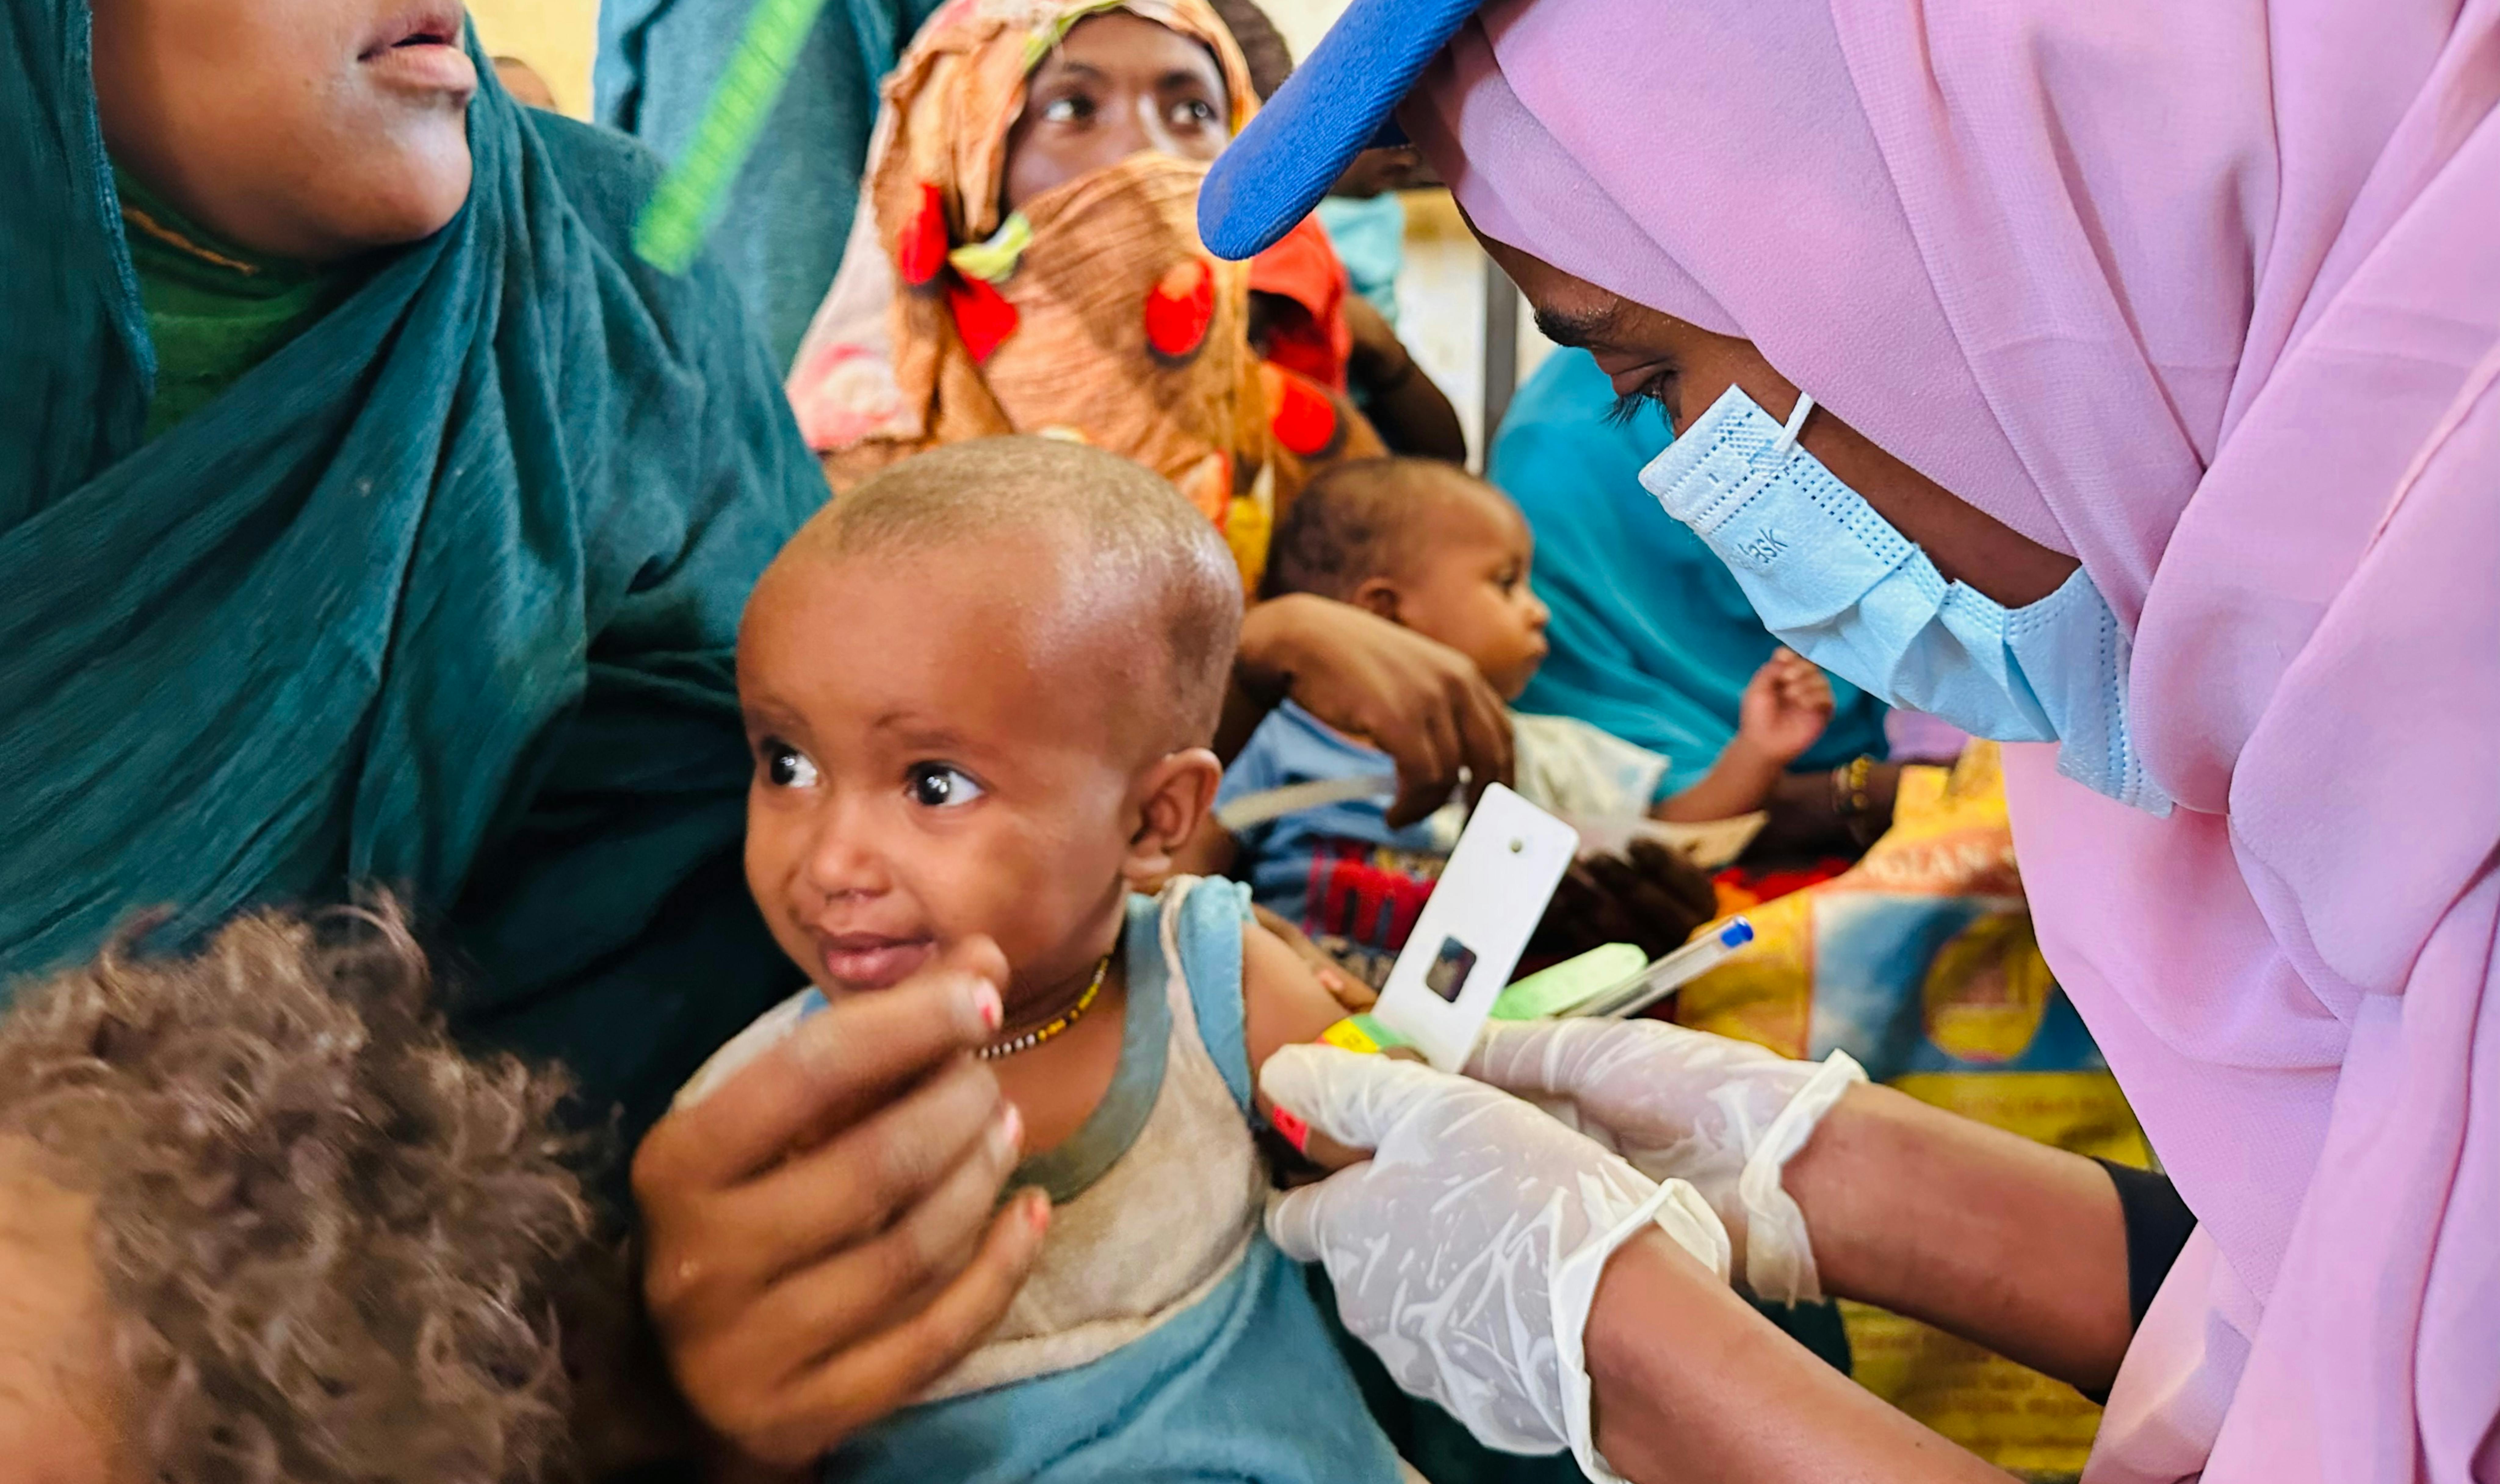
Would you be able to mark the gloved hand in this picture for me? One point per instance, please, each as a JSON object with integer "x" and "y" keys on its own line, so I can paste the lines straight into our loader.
{"x": 1680, "y": 1104}
{"x": 1467, "y": 1249}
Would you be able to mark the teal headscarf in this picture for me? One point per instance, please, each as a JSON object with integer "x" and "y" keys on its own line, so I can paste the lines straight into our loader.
{"x": 441, "y": 595}
{"x": 1652, "y": 640}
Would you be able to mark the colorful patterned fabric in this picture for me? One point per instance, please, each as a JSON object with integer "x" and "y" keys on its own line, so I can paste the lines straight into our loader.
{"x": 1092, "y": 313}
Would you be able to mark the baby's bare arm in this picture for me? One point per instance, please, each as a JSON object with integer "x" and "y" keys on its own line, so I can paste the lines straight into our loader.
{"x": 1283, "y": 1002}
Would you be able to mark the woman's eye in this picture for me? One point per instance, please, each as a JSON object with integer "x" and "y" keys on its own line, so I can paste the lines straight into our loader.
{"x": 1193, "y": 111}
{"x": 936, "y": 786}
{"x": 1068, "y": 110}
{"x": 1658, "y": 391}
{"x": 785, "y": 766}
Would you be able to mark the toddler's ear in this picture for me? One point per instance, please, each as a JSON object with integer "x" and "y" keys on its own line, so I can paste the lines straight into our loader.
{"x": 1174, "y": 796}
{"x": 1377, "y": 596}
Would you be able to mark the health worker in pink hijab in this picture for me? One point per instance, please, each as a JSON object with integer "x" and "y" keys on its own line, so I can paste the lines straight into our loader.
{"x": 2119, "y": 380}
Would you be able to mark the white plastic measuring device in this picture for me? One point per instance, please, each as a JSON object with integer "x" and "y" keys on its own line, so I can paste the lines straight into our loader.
{"x": 1472, "y": 929}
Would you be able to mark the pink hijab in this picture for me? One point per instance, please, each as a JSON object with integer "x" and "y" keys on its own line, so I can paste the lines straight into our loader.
{"x": 2208, "y": 295}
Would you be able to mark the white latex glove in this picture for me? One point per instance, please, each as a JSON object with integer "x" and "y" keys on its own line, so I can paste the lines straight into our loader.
{"x": 1466, "y": 1251}
{"x": 1680, "y": 1104}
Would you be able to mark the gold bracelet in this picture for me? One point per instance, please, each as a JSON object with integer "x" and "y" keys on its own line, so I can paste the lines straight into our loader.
{"x": 1850, "y": 798}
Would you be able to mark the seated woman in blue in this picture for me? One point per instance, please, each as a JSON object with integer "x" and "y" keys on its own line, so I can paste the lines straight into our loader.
{"x": 1652, "y": 640}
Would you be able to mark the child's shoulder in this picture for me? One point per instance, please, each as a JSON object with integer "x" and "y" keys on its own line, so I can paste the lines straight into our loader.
{"x": 1292, "y": 746}
{"x": 1289, "y": 725}
{"x": 1249, "y": 989}
{"x": 1281, "y": 998}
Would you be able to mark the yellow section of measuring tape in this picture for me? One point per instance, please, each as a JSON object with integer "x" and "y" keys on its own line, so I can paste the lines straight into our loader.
{"x": 1363, "y": 1034}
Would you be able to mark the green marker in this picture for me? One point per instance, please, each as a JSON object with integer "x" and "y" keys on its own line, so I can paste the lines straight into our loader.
{"x": 690, "y": 196}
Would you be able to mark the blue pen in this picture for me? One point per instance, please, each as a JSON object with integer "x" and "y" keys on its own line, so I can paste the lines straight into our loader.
{"x": 1671, "y": 973}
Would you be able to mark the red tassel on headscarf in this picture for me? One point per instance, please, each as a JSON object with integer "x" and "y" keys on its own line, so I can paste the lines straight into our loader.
{"x": 1180, "y": 309}
{"x": 983, "y": 317}
{"x": 1303, "y": 418}
{"x": 922, "y": 253}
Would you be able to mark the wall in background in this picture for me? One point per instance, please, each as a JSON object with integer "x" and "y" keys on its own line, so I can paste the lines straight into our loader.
{"x": 555, "y": 37}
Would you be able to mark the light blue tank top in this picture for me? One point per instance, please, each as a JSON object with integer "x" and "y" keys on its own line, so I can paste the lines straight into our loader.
{"x": 1246, "y": 1384}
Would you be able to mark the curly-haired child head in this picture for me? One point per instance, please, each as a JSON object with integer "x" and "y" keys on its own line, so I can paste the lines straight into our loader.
{"x": 261, "y": 1223}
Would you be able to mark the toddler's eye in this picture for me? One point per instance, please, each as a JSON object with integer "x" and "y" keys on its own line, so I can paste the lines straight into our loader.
{"x": 784, "y": 765}
{"x": 936, "y": 786}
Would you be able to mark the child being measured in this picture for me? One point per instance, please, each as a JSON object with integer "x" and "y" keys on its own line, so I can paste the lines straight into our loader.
{"x": 979, "y": 690}
{"x": 1426, "y": 545}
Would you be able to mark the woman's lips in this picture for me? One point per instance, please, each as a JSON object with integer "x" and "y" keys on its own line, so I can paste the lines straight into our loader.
{"x": 420, "y": 51}
{"x": 870, "y": 961}
{"x": 423, "y": 67}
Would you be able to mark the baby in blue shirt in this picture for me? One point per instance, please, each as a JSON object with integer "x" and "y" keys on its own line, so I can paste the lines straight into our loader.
{"x": 1423, "y": 544}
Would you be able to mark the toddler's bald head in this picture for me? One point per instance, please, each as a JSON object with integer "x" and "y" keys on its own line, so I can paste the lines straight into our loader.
{"x": 1132, "y": 562}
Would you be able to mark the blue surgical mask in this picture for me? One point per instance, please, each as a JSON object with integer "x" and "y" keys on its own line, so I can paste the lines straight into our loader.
{"x": 1841, "y": 586}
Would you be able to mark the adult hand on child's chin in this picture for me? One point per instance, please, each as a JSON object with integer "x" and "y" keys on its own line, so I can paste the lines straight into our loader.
{"x": 1422, "y": 702}
{"x": 821, "y": 1230}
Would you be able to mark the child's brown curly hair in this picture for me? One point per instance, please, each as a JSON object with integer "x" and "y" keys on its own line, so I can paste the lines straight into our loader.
{"x": 330, "y": 1239}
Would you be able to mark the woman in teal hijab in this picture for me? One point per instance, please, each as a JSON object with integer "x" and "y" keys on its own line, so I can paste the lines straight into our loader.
{"x": 417, "y": 563}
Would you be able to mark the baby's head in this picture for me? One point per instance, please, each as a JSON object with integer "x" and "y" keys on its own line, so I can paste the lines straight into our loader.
{"x": 1419, "y": 543}
{"x": 304, "y": 129}
{"x": 259, "y": 1220}
{"x": 979, "y": 690}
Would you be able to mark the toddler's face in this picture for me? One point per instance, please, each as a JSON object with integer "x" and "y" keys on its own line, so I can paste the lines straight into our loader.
{"x": 306, "y": 129}
{"x": 1467, "y": 587}
{"x": 938, "y": 755}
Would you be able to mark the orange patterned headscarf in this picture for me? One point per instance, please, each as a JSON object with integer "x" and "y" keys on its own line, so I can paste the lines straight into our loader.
{"x": 1093, "y": 314}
